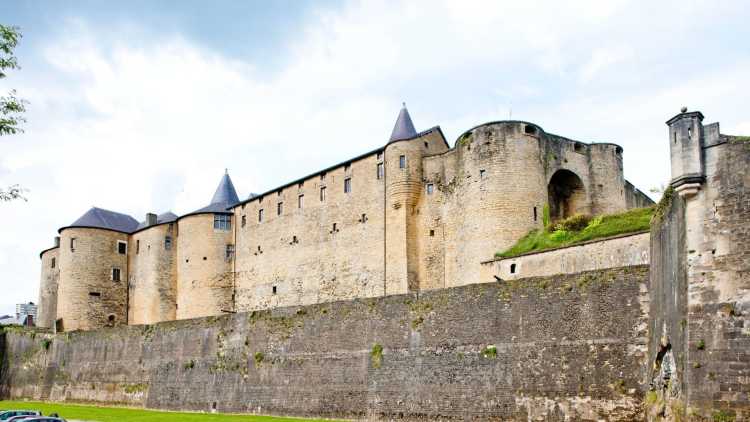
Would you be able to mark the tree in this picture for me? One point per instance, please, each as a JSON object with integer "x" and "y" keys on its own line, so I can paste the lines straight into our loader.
{"x": 11, "y": 107}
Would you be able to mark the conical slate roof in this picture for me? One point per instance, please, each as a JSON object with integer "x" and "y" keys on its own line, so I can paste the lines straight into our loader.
{"x": 224, "y": 197}
{"x": 105, "y": 219}
{"x": 404, "y": 128}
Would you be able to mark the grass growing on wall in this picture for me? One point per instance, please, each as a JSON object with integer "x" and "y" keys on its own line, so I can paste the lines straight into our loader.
{"x": 117, "y": 414}
{"x": 579, "y": 228}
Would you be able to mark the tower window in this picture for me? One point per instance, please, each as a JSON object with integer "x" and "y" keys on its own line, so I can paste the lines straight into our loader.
{"x": 535, "y": 217}
{"x": 426, "y": 145}
{"x": 347, "y": 167}
{"x": 229, "y": 252}
{"x": 323, "y": 176}
{"x": 402, "y": 161}
{"x": 322, "y": 194}
{"x": 380, "y": 171}
{"x": 690, "y": 133}
{"x": 482, "y": 174}
{"x": 168, "y": 242}
{"x": 95, "y": 294}
{"x": 430, "y": 188}
{"x": 279, "y": 208}
{"x": 137, "y": 246}
{"x": 222, "y": 222}
{"x": 380, "y": 155}
{"x": 122, "y": 247}
{"x": 674, "y": 135}
{"x": 244, "y": 220}
{"x": 72, "y": 244}
{"x": 348, "y": 185}
{"x": 273, "y": 290}
{"x": 115, "y": 274}
{"x": 260, "y": 215}
{"x": 432, "y": 232}
{"x": 530, "y": 130}
{"x": 300, "y": 201}
{"x": 54, "y": 262}
{"x": 512, "y": 268}
{"x": 300, "y": 184}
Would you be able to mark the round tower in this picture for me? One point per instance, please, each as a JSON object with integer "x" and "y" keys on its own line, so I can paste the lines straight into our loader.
{"x": 92, "y": 291}
{"x": 205, "y": 256}
{"x": 403, "y": 184}
{"x": 50, "y": 276}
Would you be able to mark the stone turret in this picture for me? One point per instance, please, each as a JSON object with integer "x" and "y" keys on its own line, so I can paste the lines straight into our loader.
{"x": 685, "y": 148}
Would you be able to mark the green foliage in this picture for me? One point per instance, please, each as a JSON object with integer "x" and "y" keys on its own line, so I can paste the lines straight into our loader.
{"x": 575, "y": 223}
{"x": 652, "y": 397}
{"x": 11, "y": 107}
{"x": 46, "y": 343}
{"x": 117, "y": 414}
{"x": 490, "y": 351}
{"x": 700, "y": 345}
{"x": 135, "y": 388}
{"x": 376, "y": 355}
{"x": 546, "y": 219}
{"x": 189, "y": 365}
{"x": 723, "y": 416}
{"x": 259, "y": 357}
{"x": 664, "y": 203}
{"x": 631, "y": 221}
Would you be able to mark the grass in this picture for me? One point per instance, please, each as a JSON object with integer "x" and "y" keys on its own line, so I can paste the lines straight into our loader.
{"x": 578, "y": 229}
{"x": 116, "y": 414}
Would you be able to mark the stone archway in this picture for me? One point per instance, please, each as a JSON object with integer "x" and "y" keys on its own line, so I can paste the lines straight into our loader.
{"x": 567, "y": 195}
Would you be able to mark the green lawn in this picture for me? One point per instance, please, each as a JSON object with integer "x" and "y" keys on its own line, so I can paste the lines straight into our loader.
{"x": 578, "y": 229}
{"x": 113, "y": 414}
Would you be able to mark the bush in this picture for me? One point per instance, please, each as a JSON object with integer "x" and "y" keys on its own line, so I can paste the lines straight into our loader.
{"x": 574, "y": 223}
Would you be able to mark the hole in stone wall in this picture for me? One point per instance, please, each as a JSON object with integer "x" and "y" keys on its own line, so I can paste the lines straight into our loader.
{"x": 95, "y": 294}
{"x": 529, "y": 130}
{"x": 432, "y": 232}
{"x": 535, "y": 217}
{"x": 512, "y": 268}
{"x": 566, "y": 195}
{"x": 204, "y": 258}
{"x": 273, "y": 290}
{"x": 578, "y": 147}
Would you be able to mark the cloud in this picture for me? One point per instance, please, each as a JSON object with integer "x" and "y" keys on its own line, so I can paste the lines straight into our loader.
{"x": 137, "y": 120}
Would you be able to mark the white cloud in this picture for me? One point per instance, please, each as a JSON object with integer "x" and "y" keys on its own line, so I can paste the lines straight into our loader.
{"x": 130, "y": 119}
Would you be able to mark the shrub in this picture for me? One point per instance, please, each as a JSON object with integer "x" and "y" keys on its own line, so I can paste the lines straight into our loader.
{"x": 376, "y": 355}
{"x": 490, "y": 351}
{"x": 574, "y": 223}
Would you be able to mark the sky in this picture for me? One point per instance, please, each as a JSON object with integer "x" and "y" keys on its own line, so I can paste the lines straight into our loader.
{"x": 139, "y": 106}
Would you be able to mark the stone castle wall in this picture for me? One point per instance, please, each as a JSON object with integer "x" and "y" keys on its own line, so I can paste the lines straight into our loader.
{"x": 621, "y": 251}
{"x": 533, "y": 349}
{"x": 50, "y": 276}
{"x": 88, "y": 298}
{"x": 153, "y": 275}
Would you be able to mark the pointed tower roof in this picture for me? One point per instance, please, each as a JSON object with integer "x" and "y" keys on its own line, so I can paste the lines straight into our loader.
{"x": 224, "y": 197}
{"x": 404, "y": 128}
{"x": 104, "y": 219}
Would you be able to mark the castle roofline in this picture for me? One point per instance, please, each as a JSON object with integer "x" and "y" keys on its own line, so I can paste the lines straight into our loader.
{"x": 685, "y": 114}
{"x": 327, "y": 169}
{"x": 47, "y": 250}
{"x": 223, "y": 200}
{"x": 165, "y": 218}
{"x": 99, "y": 218}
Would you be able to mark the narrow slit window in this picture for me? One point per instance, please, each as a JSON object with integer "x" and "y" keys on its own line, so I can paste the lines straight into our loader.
{"x": 72, "y": 244}
{"x": 168, "y": 243}
{"x": 482, "y": 174}
{"x": 322, "y": 194}
{"x": 430, "y": 188}
{"x": 347, "y": 185}
{"x": 137, "y": 246}
{"x": 115, "y": 274}
{"x": 380, "y": 171}
{"x": 402, "y": 162}
{"x": 260, "y": 215}
{"x": 273, "y": 290}
{"x": 690, "y": 133}
{"x": 95, "y": 294}
{"x": 512, "y": 268}
{"x": 432, "y": 233}
{"x": 426, "y": 145}
{"x": 244, "y": 220}
{"x": 535, "y": 217}
{"x": 279, "y": 208}
{"x": 54, "y": 262}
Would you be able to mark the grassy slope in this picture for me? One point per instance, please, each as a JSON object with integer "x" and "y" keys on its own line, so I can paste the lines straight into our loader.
{"x": 113, "y": 414}
{"x": 630, "y": 221}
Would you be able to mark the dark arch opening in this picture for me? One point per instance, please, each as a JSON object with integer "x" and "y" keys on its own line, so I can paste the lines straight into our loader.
{"x": 567, "y": 195}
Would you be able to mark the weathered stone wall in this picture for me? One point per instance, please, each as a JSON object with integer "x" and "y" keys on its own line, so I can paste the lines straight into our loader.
{"x": 153, "y": 275}
{"x": 50, "y": 276}
{"x": 621, "y": 251}
{"x": 205, "y": 282}
{"x": 559, "y": 348}
{"x": 88, "y": 298}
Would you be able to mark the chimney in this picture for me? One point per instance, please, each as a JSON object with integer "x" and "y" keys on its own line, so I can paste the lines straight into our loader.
{"x": 57, "y": 241}
{"x": 150, "y": 219}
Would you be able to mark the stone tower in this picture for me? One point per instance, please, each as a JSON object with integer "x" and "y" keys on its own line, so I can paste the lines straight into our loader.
{"x": 685, "y": 148}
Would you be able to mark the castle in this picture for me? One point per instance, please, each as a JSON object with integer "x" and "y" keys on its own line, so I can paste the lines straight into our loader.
{"x": 410, "y": 216}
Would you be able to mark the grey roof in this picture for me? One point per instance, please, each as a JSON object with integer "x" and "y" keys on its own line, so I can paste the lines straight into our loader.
{"x": 404, "y": 128}
{"x": 224, "y": 198}
{"x": 167, "y": 217}
{"x": 105, "y": 219}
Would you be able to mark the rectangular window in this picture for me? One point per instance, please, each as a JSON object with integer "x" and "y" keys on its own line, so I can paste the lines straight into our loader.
{"x": 279, "y": 208}
{"x": 95, "y": 294}
{"x": 54, "y": 262}
{"x": 323, "y": 176}
{"x": 115, "y": 274}
{"x": 402, "y": 162}
{"x": 347, "y": 185}
{"x": 260, "y": 215}
{"x": 300, "y": 201}
{"x": 380, "y": 155}
{"x": 244, "y": 220}
{"x": 273, "y": 290}
{"x": 347, "y": 167}
{"x": 137, "y": 246}
{"x": 168, "y": 243}
{"x": 122, "y": 247}
{"x": 322, "y": 194}
{"x": 72, "y": 244}
{"x": 430, "y": 188}
{"x": 535, "y": 214}
{"x": 426, "y": 145}
{"x": 482, "y": 174}
{"x": 222, "y": 222}
{"x": 278, "y": 192}
{"x": 300, "y": 184}
{"x": 230, "y": 252}
{"x": 380, "y": 171}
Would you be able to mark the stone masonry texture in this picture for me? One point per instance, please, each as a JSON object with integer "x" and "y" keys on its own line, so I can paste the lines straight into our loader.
{"x": 568, "y": 347}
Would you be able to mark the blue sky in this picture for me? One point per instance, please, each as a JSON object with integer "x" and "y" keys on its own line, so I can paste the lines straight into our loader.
{"x": 139, "y": 106}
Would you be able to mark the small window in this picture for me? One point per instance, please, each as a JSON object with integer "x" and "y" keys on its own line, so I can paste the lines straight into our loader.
{"x": 323, "y": 176}
{"x": 111, "y": 319}
{"x": 347, "y": 168}
{"x": 432, "y": 233}
{"x": 278, "y": 192}
{"x": 222, "y": 222}
{"x": 334, "y": 229}
{"x": 300, "y": 184}
{"x": 535, "y": 216}
{"x": 690, "y": 133}
{"x": 578, "y": 147}
{"x": 363, "y": 218}
{"x": 95, "y": 294}
{"x": 244, "y": 220}
{"x": 260, "y": 215}
{"x": 482, "y": 174}
{"x": 260, "y": 200}
{"x": 122, "y": 247}
{"x": 72, "y": 244}
{"x": 674, "y": 135}
{"x": 168, "y": 243}
{"x": 380, "y": 155}
{"x": 430, "y": 188}
{"x": 380, "y": 171}
{"x": 512, "y": 268}
{"x": 273, "y": 290}
{"x": 402, "y": 162}
{"x": 300, "y": 201}
{"x": 279, "y": 208}
{"x": 322, "y": 194}
{"x": 54, "y": 262}
{"x": 426, "y": 145}
{"x": 347, "y": 185}
{"x": 115, "y": 274}
{"x": 529, "y": 130}
{"x": 137, "y": 246}
{"x": 229, "y": 252}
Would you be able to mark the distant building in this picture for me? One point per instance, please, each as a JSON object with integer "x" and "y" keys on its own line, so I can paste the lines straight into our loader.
{"x": 8, "y": 320}
{"x": 24, "y": 311}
